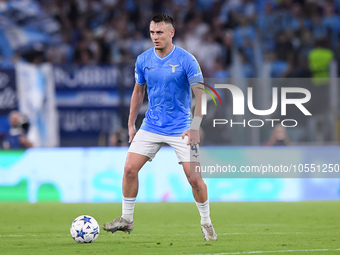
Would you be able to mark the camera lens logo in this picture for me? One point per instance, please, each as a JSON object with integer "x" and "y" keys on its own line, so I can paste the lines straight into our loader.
{"x": 209, "y": 93}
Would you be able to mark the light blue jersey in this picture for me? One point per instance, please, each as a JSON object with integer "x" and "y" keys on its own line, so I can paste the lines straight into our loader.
{"x": 169, "y": 81}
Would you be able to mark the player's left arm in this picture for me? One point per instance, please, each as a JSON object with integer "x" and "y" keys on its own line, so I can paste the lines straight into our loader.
{"x": 194, "y": 136}
{"x": 194, "y": 75}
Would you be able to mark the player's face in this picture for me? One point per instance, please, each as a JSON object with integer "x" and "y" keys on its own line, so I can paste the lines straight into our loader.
{"x": 161, "y": 34}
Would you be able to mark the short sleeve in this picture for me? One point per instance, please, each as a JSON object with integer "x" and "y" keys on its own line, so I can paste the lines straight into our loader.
{"x": 194, "y": 73}
{"x": 139, "y": 74}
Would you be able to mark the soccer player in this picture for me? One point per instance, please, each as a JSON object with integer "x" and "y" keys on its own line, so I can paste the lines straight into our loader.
{"x": 168, "y": 72}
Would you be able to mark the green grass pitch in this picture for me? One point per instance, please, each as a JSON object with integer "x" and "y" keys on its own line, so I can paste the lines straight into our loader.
{"x": 173, "y": 228}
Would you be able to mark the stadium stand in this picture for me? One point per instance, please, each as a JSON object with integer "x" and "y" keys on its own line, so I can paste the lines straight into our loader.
{"x": 235, "y": 38}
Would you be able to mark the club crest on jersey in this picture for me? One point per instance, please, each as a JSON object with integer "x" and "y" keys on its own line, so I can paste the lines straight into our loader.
{"x": 173, "y": 68}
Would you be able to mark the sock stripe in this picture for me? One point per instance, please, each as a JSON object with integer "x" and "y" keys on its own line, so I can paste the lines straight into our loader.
{"x": 204, "y": 204}
{"x": 129, "y": 199}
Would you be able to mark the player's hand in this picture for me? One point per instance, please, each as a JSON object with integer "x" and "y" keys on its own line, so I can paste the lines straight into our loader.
{"x": 193, "y": 137}
{"x": 132, "y": 133}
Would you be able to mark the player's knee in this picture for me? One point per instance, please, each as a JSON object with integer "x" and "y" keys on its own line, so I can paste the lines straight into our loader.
{"x": 197, "y": 183}
{"x": 130, "y": 171}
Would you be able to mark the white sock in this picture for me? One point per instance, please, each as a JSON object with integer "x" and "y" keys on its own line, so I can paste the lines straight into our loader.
{"x": 128, "y": 206}
{"x": 204, "y": 210}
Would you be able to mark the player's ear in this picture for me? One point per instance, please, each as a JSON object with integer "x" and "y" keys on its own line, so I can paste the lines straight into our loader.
{"x": 172, "y": 32}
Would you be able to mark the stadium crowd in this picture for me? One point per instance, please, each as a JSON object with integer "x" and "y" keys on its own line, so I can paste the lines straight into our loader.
{"x": 292, "y": 35}
{"x": 296, "y": 38}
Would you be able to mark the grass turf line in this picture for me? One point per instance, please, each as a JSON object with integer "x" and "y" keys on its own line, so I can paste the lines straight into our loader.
{"x": 173, "y": 228}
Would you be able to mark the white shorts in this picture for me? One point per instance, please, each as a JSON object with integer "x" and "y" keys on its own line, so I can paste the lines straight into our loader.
{"x": 148, "y": 144}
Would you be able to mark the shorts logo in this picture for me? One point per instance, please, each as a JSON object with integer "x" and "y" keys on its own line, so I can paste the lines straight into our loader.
{"x": 173, "y": 68}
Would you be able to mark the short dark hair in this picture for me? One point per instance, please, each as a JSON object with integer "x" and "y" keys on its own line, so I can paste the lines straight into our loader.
{"x": 163, "y": 17}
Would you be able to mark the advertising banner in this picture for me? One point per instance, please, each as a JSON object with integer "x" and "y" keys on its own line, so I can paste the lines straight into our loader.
{"x": 88, "y": 100}
{"x": 95, "y": 175}
{"x": 8, "y": 96}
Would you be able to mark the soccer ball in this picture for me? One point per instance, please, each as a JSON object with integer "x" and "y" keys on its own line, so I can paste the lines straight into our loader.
{"x": 84, "y": 229}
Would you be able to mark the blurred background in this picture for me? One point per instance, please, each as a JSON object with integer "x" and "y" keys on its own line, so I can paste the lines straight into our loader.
{"x": 66, "y": 78}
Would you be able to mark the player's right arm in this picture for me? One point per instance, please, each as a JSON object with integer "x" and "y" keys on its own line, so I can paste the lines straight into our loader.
{"x": 136, "y": 103}
{"x": 137, "y": 96}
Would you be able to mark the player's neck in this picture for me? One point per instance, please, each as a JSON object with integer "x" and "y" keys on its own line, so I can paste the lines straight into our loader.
{"x": 163, "y": 52}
